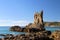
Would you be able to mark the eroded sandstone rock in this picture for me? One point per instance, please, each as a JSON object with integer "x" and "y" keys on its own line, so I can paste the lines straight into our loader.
{"x": 38, "y": 18}
{"x": 55, "y": 35}
{"x": 38, "y": 22}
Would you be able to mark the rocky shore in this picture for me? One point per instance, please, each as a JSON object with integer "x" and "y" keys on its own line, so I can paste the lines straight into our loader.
{"x": 44, "y": 35}
{"x": 34, "y": 31}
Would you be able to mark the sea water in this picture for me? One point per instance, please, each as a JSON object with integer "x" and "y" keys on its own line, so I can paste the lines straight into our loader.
{"x": 52, "y": 29}
{"x": 5, "y": 30}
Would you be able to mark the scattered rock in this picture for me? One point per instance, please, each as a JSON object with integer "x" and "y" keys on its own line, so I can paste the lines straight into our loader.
{"x": 55, "y": 35}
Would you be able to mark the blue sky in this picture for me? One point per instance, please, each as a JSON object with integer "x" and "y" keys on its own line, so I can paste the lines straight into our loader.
{"x": 21, "y": 12}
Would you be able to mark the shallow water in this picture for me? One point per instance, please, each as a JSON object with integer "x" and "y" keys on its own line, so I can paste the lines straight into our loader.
{"x": 52, "y": 29}
{"x": 5, "y": 30}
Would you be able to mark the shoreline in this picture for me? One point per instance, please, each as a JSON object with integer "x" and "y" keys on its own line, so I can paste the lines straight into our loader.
{"x": 34, "y": 31}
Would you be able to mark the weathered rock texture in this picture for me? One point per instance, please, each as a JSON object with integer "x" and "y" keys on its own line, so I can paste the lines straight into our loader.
{"x": 38, "y": 22}
{"x": 55, "y": 35}
{"x": 38, "y": 18}
{"x": 28, "y": 36}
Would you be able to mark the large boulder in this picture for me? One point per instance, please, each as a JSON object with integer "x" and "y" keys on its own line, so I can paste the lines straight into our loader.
{"x": 16, "y": 28}
{"x": 55, "y": 35}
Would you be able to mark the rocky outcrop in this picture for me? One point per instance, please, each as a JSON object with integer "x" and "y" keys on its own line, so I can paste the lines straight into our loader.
{"x": 38, "y": 22}
{"x": 55, "y": 35}
{"x": 16, "y": 28}
{"x": 28, "y": 36}
{"x": 34, "y": 31}
{"x": 37, "y": 26}
{"x": 38, "y": 18}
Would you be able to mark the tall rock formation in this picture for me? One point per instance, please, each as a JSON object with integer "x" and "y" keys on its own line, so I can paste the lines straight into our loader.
{"x": 38, "y": 18}
{"x": 38, "y": 21}
{"x": 37, "y": 26}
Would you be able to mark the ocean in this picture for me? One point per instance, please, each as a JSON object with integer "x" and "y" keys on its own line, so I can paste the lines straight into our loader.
{"x": 5, "y": 30}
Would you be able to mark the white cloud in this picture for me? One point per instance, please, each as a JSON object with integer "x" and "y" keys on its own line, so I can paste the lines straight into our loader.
{"x": 14, "y": 22}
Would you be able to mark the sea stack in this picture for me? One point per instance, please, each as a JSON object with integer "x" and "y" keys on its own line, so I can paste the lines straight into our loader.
{"x": 38, "y": 19}
{"x": 36, "y": 26}
{"x": 38, "y": 22}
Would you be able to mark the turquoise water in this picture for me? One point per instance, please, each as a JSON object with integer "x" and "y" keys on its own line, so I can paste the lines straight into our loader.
{"x": 52, "y": 29}
{"x": 5, "y": 30}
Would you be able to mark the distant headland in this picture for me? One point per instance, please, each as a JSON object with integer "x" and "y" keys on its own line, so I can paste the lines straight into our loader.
{"x": 52, "y": 24}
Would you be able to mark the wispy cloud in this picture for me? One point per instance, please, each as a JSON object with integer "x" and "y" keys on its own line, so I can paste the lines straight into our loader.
{"x": 14, "y": 22}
